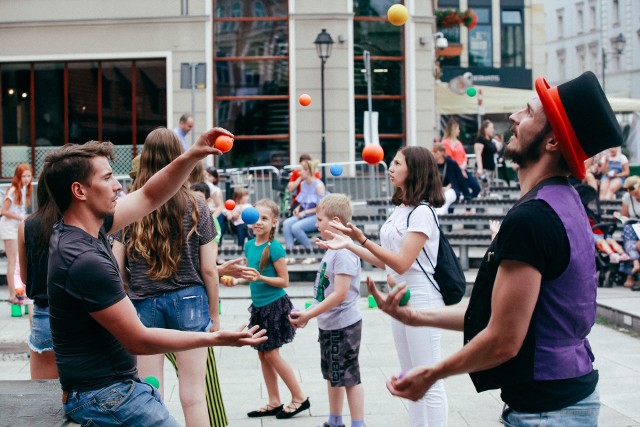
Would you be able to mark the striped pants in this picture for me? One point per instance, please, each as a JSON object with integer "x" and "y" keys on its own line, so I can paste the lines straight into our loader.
{"x": 215, "y": 405}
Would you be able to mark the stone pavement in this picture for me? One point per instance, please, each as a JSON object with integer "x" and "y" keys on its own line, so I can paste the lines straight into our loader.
{"x": 617, "y": 358}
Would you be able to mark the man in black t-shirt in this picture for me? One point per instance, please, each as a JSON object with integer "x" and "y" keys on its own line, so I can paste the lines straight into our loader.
{"x": 94, "y": 325}
{"x": 534, "y": 299}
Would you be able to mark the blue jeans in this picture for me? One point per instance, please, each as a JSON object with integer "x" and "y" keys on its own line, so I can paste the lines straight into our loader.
{"x": 186, "y": 309}
{"x": 132, "y": 403}
{"x": 296, "y": 228}
{"x": 582, "y": 414}
{"x": 474, "y": 187}
{"x": 40, "y": 337}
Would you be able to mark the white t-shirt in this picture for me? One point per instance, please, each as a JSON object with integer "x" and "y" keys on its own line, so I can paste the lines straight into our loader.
{"x": 213, "y": 189}
{"x": 393, "y": 231}
{"x": 347, "y": 313}
{"x": 632, "y": 204}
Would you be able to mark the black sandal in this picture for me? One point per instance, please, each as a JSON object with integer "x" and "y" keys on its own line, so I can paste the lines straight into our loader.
{"x": 294, "y": 409}
{"x": 266, "y": 411}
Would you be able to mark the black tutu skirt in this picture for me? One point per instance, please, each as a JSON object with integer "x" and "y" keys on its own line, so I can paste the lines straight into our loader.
{"x": 274, "y": 318}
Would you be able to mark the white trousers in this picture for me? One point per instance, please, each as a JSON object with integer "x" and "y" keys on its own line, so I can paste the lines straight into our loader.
{"x": 419, "y": 346}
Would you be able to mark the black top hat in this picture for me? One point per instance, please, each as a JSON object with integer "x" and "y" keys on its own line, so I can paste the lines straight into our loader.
{"x": 581, "y": 118}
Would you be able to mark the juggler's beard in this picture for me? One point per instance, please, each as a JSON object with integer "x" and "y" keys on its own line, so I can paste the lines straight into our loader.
{"x": 528, "y": 154}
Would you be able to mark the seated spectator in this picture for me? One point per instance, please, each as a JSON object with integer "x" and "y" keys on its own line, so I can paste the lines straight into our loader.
{"x": 295, "y": 181}
{"x": 454, "y": 149}
{"x": 631, "y": 214}
{"x": 614, "y": 171}
{"x": 454, "y": 185}
{"x": 303, "y": 219}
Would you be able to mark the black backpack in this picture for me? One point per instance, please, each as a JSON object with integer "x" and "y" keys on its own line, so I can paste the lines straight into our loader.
{"x": 449, "y": 276}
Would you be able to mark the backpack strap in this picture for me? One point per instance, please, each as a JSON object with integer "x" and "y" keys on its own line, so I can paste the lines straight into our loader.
{"x": 437, "y": 288}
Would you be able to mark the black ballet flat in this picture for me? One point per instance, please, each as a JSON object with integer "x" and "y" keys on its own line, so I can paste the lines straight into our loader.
{"x": 267, "y": 411}
{"x": 295, "y": 408}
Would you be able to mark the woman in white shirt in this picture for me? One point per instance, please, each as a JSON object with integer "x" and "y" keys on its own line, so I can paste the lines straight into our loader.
{"x": 14, "y": 211}
{"x": 408, "y": 235}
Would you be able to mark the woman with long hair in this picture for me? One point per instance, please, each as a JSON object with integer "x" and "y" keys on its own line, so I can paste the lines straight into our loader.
{"x": 453, "y": 148}
{"x": 409, "y": 245}
{"x": 485, "y": 151}
{"x": 33, "y": 247}
{"x": 14, "y": 211}
{"x": 173, "y": 281}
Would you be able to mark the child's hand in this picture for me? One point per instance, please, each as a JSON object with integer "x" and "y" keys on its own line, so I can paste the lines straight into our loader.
{"x": 250, "y": 274}
{"x": 214, "y": 322}
{"x": 298, "y": 319}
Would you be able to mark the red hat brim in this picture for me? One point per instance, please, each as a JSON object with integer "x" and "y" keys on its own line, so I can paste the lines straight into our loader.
{"x": 569, "y": 144}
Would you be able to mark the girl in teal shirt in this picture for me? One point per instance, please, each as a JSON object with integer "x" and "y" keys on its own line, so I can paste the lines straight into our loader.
{"x": 267, "y": 275}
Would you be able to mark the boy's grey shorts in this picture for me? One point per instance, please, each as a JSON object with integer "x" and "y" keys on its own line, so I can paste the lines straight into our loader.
{"x": 339, "y": 351}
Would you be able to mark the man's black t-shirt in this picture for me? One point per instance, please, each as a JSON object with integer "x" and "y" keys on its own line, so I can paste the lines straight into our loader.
{"x": 84, "y": 278}
{"x": 532, "y": 233}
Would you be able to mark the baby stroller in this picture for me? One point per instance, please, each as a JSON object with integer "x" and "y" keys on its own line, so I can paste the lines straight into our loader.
{"x": 609, "y": 273}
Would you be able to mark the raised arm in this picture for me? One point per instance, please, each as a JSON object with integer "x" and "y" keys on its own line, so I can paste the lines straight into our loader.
{"x": 165, "y": 183}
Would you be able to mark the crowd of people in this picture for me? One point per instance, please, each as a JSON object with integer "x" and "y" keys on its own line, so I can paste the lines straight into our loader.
{"x": 121, "y": 281}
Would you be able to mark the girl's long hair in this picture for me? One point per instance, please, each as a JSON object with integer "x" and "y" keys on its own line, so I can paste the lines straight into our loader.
{"x": 47, "y": 214}
{"x": 449, "y": 131}
{"x": 275, "y": 212}
{"x": 16, "y": 183}
{"x": 157, "y": 238}
{"x": 423, "y": 181}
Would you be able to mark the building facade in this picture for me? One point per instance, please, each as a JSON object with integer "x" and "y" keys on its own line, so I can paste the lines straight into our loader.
{"x": 598, "y": 35}
{"x": 74, "y": 71}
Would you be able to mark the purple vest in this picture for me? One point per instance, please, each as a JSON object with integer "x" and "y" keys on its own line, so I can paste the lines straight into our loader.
{"x": 566, "y": 307}
{"x": 556, "y": 345}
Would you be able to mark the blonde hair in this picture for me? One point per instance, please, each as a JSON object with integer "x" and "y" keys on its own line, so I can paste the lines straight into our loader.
{"x": 275, "y": 213}
{"x": 337, "y": 205}
{"x": 311, "y": 166}
{"x": 238, "y": 194}
{"x": 632, "y": 183}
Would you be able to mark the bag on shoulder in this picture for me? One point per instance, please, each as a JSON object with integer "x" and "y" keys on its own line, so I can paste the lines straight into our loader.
{"x": 449, "y": 276}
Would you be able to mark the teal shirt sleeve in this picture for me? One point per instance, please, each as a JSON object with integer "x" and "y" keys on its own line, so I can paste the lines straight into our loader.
{"x": 277, "y": 251}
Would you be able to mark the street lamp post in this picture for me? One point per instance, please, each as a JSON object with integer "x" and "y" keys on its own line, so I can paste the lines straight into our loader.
{"x": 618, "y": 44}
{"x": 323, "y": 43}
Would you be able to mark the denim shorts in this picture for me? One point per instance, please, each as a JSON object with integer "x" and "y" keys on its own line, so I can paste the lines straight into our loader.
{"x": 185, "y": 309}
{"x": 582, "y": 414}
{"x": 40, "y": 337}
{"x": 132, "y": 403}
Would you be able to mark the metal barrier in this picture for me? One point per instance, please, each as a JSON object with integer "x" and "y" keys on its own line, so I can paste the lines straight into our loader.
{"x": 359, "y": 180}
{"x": 263, "y": 182}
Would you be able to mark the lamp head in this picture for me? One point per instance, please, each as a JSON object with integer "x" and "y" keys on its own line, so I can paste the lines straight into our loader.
{"x": 323, "y": 43}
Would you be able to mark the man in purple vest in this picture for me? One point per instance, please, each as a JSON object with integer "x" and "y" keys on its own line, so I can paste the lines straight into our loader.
{"x": 534, "y": 299}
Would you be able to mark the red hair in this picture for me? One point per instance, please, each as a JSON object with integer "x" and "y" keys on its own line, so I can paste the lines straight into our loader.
{"x": 17, "y": 183}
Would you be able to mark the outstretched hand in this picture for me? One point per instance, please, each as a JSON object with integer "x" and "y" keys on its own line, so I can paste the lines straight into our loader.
{"x": 390, "y": 303}
{"x": 233, "y": 267}
{"x": 239, "y": 338}
{"x": 413, "y": 384}
{"x": 348, "y": 230}
{"x": 334, "y": 241}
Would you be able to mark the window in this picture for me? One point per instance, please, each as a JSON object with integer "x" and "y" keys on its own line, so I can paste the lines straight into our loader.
{"x": 615, "y": 12}
{"x": 561, "y": 58}
{"x": 49, "y": 104}
{"x": 580, "y": 17}
{"x": 480, "y": 41}
{"x": 251, "y": 96}
{"x": 512, "y": 38}
{"x": 592, "y": 15}
{"x": 582, "y": 58}
{"x": 560, "y": 20}
{"x": 384, "y": 43}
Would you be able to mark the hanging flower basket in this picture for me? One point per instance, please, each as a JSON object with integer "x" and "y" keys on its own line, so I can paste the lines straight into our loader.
{"x": 449, "y": 18}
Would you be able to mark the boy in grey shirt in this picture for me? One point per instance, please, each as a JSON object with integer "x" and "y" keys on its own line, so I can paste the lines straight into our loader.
{"x": 336, "y": 290}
